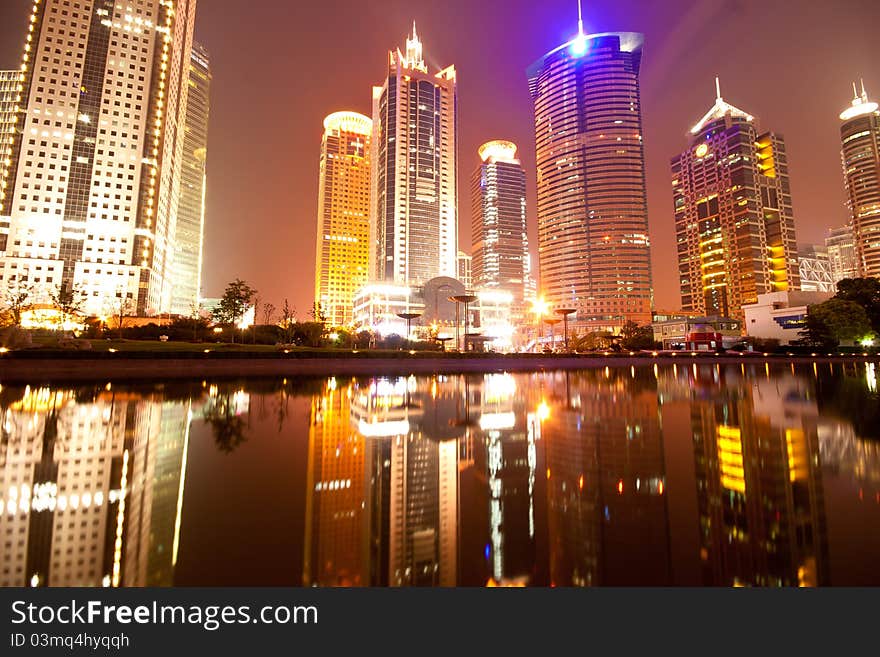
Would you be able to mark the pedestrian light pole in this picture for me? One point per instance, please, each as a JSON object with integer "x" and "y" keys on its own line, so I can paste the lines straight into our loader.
{"x": 540, "y": 307}
{"x": 565, "y": 312}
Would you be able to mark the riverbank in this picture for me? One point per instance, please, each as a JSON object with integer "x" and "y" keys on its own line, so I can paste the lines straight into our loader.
{"x": 38, "y": 367}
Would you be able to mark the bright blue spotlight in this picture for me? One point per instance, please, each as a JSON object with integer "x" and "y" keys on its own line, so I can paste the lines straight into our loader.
{"x": 579, "y": 45}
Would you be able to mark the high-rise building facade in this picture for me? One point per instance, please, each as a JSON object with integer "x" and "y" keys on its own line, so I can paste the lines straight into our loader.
{"x": 593, "y": 245}
{"x": 860, "y": 136}
{"x": 92, "y": 183}
{"x": 841, "y": 247}
{"x": 500, "y": 242}
{"x": 414, "y": 208}
{"x": 343, "y": 244}
{"x": 815, "y": 269}
{"x": 733, "y": 214}
{"x": 465, "y": 269}
{"x": 190, "y": 227}
{"x": 9, "y": 81}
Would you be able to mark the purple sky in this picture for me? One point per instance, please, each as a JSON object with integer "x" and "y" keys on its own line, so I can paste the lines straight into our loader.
{"x": 280, "y": 66}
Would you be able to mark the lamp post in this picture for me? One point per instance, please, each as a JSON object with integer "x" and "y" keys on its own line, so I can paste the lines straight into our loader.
{"x": 409, "y": 317}
{"x": 540, "y": 308}
{"x": 565, "y": 312}
{"x": 466, "y": 299}
{"x": 552, "y": 323}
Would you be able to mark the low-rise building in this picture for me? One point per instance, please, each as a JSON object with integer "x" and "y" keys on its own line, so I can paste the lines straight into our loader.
{"x": 780, "y": 315}
{"x": 686, "y": 330}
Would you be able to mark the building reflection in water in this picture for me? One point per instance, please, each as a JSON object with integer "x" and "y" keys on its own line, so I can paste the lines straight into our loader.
{"x": 548, "y": 479}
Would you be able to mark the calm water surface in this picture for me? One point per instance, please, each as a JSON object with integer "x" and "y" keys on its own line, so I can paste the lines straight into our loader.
{"x": 686, "y": 475}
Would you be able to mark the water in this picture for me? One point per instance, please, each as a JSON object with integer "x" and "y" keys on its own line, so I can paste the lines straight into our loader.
{"x": 686, "y": 475}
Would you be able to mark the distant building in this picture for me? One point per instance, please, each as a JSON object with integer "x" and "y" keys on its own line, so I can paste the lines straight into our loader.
{"x": 378, "y": 306}
{"x": 780, "y": 315}
{"x": 414, "y": 180}
{"x": 860, "y": 138}
{"x": 841, "y": 247}
{"x": 692, "y": 332}
{"x": 593, "y": 243}
{"x": 342, "y": 250}
{"x": 733, "y": 214}
{"x": 499, "y": 239}
{"x": 465, "y": 270}
{"x": 815, "y": 269}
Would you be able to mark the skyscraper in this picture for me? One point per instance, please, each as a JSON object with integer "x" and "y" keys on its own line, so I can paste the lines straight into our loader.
{"x": 860, "y": 135}
{"x": 9, "y": 81}
{"x": 190, "y": 227}
{"x": 92, "y": 183}
{"x": 500, "y": 243}
{"x": 815, "y": 269}
{"x": 733, "y": 215}
{"x": 593, "y": 244}
{"x": 414, "y": 220}
{"x": 841, "y": 246}
{"x": 343, "y": 245}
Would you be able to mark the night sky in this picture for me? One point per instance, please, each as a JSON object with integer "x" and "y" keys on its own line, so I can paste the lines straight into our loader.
{"x": 280, "y": 66}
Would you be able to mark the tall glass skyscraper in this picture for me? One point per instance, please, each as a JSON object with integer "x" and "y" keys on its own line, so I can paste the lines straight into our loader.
{"x": 415, "y": 141}
{"x": 593, "y": 244}
{"x": 343, "y": 246}
{"x": 860, "y": 135}
{"x": 91, "y": 187}
{"x": 500, "y": 243}
{"x": 734, "y": 222}
{"x": 190, "y": 227}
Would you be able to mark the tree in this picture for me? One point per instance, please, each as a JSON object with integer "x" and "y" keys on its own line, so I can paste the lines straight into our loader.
{"x": 69, "y": 299}
{"x": 288, "y": 317}
{"x": 635, "y": 337}
{"x": 17, "y": 299}
{"x": 834, "y": 321}
{"x": 268, "y": 313}
{"x": 866, "y": 293}
{"x": 317, "y": 313}
{"x": 195, "y": 314}
{"x": 121, "y": 307}
{"x": 234, "y": 304}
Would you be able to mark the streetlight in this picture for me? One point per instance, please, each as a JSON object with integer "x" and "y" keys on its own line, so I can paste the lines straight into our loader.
{"x": 565, "y": 312}
{"x": 540, "y": 307}
{"x": 409, "y": 317}
{"x": 465, "y": 299}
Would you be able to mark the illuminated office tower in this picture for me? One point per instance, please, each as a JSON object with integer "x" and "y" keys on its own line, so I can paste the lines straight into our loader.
{"x": 190, "y": 228}
{"x": 841, "y": 246}
{"x": 759, "y": 481}
{"x": 465, "y": 270}
{"x": 336, "y": 531}
{"x": 860, "y": 135}
{"x": 733, "y": 215}
{"x": 499, "y": 241}
{"x": 9, "y": 81}
{"x": 93, "y": 180}
{"x": 414, "y": 207}
{"x": 343, "y": 238}
{"x": 593, "y": 245}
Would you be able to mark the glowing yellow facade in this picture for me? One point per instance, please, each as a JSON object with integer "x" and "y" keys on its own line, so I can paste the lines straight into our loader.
{"x": 342, "y": 249}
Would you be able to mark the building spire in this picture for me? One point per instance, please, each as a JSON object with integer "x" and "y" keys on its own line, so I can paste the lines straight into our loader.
{"x": 580, "y": 20}
{"x": 414, "y": 58}
{"x": 864, "y": 93}
{"x": 717, "y": 88}
{"x": 855, "y": 92}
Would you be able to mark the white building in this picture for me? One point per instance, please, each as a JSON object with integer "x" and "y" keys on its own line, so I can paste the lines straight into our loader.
{"x": 817, "y": 274}
{"x": 780, "y": 315}
{"x": 414, "y": 225}
{"x": 89, "y": 192}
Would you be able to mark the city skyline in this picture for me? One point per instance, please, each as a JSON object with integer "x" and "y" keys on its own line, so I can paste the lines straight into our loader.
{"x": 818, "y": 206}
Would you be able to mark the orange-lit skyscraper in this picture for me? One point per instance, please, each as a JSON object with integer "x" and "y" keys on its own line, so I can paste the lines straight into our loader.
{"x": 414, "y": 205}
{"x": 593, "y": 244}
{"x": 343, "y": 244}
{"x": 733, "y": 215}
{"x": 500, "y": 243}
{"x": 860, "y": 135}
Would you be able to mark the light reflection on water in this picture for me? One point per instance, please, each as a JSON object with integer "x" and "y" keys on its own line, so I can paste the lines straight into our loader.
{"x": 718, "y": 475}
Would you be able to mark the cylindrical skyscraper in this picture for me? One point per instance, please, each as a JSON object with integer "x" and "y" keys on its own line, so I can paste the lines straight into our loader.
{"x": 343, "y": 240}
{"x": 593, "y": 243}
{"x": 860, "y": 134}
{"x": 500, "y": 243}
